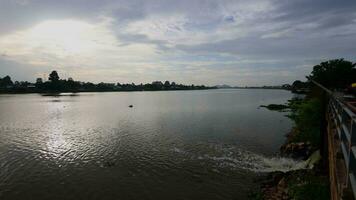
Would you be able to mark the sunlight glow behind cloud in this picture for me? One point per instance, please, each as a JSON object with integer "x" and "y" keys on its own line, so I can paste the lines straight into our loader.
{"x": 74, "y": 43}
{"x": 236, "y": 42}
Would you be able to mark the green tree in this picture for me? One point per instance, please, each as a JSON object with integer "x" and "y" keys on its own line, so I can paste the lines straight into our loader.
{"x": 167, "y": 84}
{"x": 39, "y": 81}
{"x": 6, "y": 81}
{"x": 53, "y": 76}
{"x": 338, "y": 73}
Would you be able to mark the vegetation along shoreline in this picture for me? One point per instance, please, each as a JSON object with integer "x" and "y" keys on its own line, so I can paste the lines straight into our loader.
{"x": 305, "y": 141}
{"x": 57, "y": 85}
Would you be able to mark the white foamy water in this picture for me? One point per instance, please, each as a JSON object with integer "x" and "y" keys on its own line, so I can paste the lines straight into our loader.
{"x": 246, "y": 160}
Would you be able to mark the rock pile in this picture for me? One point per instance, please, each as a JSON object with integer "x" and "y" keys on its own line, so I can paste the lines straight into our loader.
{"x": 275, "y": 187}
{"x": 300, "y": 150}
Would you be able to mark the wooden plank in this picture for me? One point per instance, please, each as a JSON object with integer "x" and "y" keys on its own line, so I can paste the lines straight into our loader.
{"x": 334, "y": 194}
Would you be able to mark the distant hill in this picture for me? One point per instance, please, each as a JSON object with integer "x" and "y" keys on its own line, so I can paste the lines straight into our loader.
{"x": 223, "y": 86}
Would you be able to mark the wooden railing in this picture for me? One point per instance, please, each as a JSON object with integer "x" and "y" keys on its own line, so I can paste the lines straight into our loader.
{"x": 341, "y": 137}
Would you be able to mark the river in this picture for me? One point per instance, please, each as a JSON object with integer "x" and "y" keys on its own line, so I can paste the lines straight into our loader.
{"x": 206, "y": 144}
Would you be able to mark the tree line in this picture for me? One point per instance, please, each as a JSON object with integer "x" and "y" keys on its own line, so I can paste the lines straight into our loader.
{"x": 334, "y": 74}
{"x": 55, "y": 84}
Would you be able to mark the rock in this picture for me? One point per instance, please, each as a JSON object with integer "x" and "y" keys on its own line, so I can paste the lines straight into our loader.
{"x": 300, "y": 150}
{"x": 282, "y": 184}
{"x": 313, "y": 159}
{"x": 277, "y": 190}
{"x": 272, "y": 179}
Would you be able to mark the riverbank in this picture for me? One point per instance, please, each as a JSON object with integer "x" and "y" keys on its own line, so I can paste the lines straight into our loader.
{"x": 300, "y": 184}
{"x": 81, "y": 91}
{"x": 302, "y": 143}
{"x": 57, "y": 85}
{"x": 308, "y": 183}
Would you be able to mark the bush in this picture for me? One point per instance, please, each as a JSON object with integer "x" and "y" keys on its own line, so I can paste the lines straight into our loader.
{"x": 307, "y": 115}
{"x": 309, "y": 188}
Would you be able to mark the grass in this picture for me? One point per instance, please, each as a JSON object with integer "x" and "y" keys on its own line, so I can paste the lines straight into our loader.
{"x": 309, "y": 187}
{"x": 307, "y": 115}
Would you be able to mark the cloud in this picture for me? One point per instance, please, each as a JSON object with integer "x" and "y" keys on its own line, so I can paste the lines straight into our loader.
{"x": 75, "y": 44}
{"x": 201, "y": 42}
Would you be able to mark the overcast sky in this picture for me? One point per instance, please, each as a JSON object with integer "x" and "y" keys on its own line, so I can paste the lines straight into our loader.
{"x": 253, "y": 42}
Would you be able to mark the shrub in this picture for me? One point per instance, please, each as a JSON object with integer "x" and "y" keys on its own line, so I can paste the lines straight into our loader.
{"x": 307, "y": 116}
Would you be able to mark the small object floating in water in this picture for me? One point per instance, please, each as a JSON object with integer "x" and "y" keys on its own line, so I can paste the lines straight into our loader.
{"x": 109, "y": 164}
{"x": 130, "y": 106}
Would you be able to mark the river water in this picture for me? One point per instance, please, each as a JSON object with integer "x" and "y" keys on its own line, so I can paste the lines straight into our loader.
{"x": 207, "y": 144}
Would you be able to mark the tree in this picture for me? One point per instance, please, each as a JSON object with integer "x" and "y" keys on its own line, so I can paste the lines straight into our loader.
{"x": 6, "y": 81}
{"x": 337, "y": 73}
{"x": 53, "y": 76}
{"x": 157, "y": 83}
{"x": 39, "y": 81}
{"x": 167, "y": 84}
{"x": 297, "y": 85}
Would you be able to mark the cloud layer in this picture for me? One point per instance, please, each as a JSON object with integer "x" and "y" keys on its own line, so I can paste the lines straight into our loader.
{"x": 254, "y": 42}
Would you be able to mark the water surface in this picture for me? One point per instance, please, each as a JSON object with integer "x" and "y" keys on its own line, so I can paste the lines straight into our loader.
{"x": 171, "y": 145}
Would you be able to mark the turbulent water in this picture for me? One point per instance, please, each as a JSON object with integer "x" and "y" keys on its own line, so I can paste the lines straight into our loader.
{"x": 170, "y": 145}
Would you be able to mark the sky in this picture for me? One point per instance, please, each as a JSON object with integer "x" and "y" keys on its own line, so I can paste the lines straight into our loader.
{"x": 236, "y": 42}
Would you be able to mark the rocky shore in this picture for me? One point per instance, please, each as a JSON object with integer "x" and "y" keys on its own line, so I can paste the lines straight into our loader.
{"x": 296, "y": 150}
{"x": 286, "y": 185}
{"x": 289, "y": 185}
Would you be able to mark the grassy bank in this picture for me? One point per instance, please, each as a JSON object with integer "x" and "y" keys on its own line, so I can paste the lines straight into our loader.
{"x": 306, "y": 184}
{"x": 302, "y": 141}
{"x": 307, "y": 115}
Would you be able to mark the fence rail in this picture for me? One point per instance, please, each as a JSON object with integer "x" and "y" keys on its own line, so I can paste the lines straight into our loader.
{"x": 341, "y": 132}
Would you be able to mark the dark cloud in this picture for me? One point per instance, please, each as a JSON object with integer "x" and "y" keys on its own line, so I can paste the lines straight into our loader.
{"x": 17, "y": 15}
{"x": 312, "y": 29}
{"x": 295, "y": 47}
{"x": 231, "y": 35}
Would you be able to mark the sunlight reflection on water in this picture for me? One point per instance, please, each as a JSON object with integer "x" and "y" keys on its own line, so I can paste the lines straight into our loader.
{"x": 170, "y": 145}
